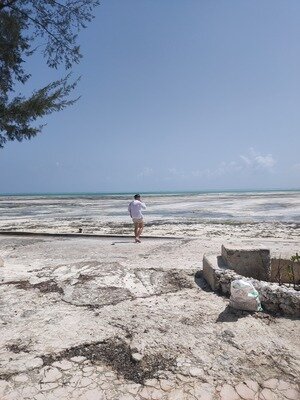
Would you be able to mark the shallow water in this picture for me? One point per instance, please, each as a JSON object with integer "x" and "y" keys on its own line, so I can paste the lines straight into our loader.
{"x": 96, "y": 212}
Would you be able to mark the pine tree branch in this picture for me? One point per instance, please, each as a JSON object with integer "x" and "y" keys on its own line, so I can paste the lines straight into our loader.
{"x": 8, "y": 4}
{"x": 42, "y": 26}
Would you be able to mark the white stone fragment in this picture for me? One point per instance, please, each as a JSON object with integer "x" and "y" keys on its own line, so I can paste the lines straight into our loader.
{"x": 153, "y": 383}
{"x": 34, "y": 363}
{"x": 270, "y": 383}
{"x": 228, "y": 393}
{"x": 64, "y": 365}
{"x": 166, "y": 385}
{"x": 3, "y": 386}
{"x": 204, "y": 392}
{"x": 146, "y": 393}
{"x": 244, "y": 391}
{"x": 84, "y": 382}
{"x": 88, "y": 369}
{"x": 15, "y": 395}
{"x": 45, "y": 387}
{"x": 21, "y": 378}
{"x": 157, "y": 394}
{"x": 196, "y": 372}
{"x": 29, "y": 392}
{"x": 252, "y": 385}
{"x": 292, "y": 394}
{"x": 78, "y": 359}
{"x": 283, "y": 385}
{"x": 60, "y": 392}
{"x": 94, "y": 394}
{"x": 177, "y": 394}
{"x": 51, "y": 375}
{"x": 126, "y": 397}
{"x": 137, "y": 356}
{"x": 110, "y": 376}
{"x": 133, "y": 388}
{"x": 105, "y": 385}
{"x": 267, "y": 394}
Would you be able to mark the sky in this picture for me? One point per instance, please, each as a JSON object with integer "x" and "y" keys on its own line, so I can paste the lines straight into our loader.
{"x": 176, "y": 95}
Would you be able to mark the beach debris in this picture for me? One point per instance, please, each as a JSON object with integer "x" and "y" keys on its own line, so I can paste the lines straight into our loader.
{"x": 1, "y": 262}
{"x": 244, "y": 296}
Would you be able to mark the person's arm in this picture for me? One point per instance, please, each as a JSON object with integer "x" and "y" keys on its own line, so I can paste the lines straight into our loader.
{"x": 143, "y": 206}
{"x": 129, "y": 209}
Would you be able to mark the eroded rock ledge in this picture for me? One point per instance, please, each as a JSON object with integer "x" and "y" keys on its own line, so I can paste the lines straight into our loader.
{"x": 220, "y": 271}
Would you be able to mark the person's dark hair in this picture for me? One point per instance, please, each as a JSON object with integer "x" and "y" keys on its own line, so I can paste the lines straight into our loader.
{"x": 137, "y": 196}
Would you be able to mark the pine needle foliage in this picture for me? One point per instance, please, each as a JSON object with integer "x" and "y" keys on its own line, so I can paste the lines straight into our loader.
{"x": 28, "y": 26}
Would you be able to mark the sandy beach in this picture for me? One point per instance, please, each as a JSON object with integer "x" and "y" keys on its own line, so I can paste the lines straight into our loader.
{"x": 105, "y": 318}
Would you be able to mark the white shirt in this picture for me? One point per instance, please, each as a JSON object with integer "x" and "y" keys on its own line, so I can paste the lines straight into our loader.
{"x": 135, "y": 209}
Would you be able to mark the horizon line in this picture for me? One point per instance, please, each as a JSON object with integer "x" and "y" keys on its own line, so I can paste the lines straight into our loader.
{"x": 152, "y": 192}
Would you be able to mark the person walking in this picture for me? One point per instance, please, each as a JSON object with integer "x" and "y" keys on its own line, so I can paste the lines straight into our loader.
{"x": 135, "y": 208}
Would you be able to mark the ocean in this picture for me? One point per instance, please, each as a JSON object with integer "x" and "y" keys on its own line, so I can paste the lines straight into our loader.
{"x": 166, "y": 212}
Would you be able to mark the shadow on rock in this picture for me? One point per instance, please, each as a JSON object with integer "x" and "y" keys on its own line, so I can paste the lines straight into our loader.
{"x": 201, "y": 282}
{"x": 232, "y": 315}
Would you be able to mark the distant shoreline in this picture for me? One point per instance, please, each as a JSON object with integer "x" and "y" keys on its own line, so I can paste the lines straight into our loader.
{"x": 151, "y": 193}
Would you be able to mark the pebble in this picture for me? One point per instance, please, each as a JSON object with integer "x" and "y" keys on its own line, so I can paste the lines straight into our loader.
{"x": 157, "y": 394}
{"x": 166, "y": 385}
{"x": 126, "y": 397}
{"x": 282, "y": 385}
{"x": 267, "y": 394}
{"x": 145, "y": 393}
{"x": 48, "y": 386}
{"x": 137, "y": 356}
{"x": 228, "y": 393}
{"x": 133, "y": 388}
{"x": 292, "y": 394}
{"x": 78, "y": 359}
{"x": 21, "y": 378}
{"x": 270, "y": 384}
{"x": 176, "y": 394}
{"x": 94, "y": 394}
{"x": 29, "y": 392}
{"x": 244, "y": 391}
{"x": 34, "y": 363}
{"x": 64, "y": 365}
{"x": 84, "y": 382}
{"x": 204, "y": 392}
{"x": 252, "y": 385}
{"x": 51, "y": 375}
{"x": 153, "y": 383}
{"x": 196, "y": 372}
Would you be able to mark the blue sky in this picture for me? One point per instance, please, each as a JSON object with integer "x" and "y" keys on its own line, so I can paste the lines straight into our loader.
{"x": 175, "y": 95}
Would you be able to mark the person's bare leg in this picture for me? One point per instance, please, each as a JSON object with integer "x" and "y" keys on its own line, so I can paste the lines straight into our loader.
{"x": 136, "y": 232}
{"x": 140, "y": 229}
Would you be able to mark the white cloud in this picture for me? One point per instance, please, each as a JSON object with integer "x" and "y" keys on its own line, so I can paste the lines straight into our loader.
{"x": 257, "y": 161}
{"x": 175, "y": 172}
{"x": 146, "y": 172}
{"x": 252, "y": 160}
{"x": 246, "y": 160}
{"x": 222, "y": 169}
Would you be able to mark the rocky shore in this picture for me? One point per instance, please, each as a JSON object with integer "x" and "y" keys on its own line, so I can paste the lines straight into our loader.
{"x": 84, "y": 318}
